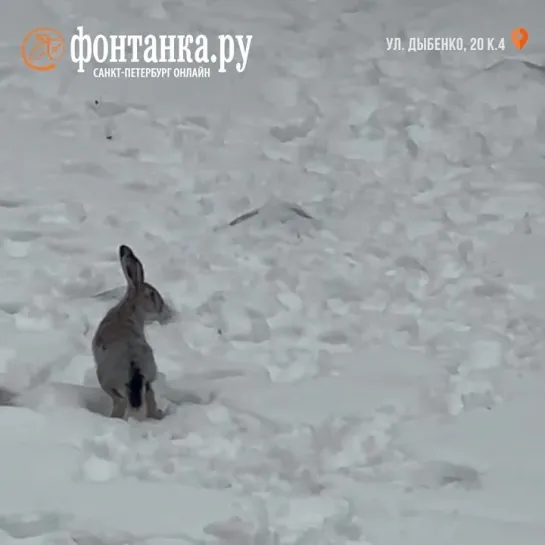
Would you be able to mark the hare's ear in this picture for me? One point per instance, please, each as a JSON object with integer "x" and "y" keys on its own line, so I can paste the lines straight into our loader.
{"x": 132, "y": 268}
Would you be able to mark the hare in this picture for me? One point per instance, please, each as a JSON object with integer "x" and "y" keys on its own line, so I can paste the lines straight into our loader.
{"x": 125, "y": 363}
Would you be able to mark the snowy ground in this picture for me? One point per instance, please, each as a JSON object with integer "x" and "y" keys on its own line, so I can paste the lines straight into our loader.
{"x": 373, "y": 376}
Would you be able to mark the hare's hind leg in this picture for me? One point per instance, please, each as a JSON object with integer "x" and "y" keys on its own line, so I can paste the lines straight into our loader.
{"x": 151, "y": 404}
{"x": 119, "y": 404}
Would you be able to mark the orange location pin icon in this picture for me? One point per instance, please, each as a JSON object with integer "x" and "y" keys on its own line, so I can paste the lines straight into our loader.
{"x": 519, "y": 37}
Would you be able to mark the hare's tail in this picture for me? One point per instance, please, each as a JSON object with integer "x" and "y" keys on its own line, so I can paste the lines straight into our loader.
{"x": 136, "y": 387}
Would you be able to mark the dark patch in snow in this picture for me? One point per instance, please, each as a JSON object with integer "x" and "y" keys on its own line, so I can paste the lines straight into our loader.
{"x": 275, "y": 211}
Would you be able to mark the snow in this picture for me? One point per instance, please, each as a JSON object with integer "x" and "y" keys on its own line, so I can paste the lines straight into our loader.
{"x": 352, "y": 239}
